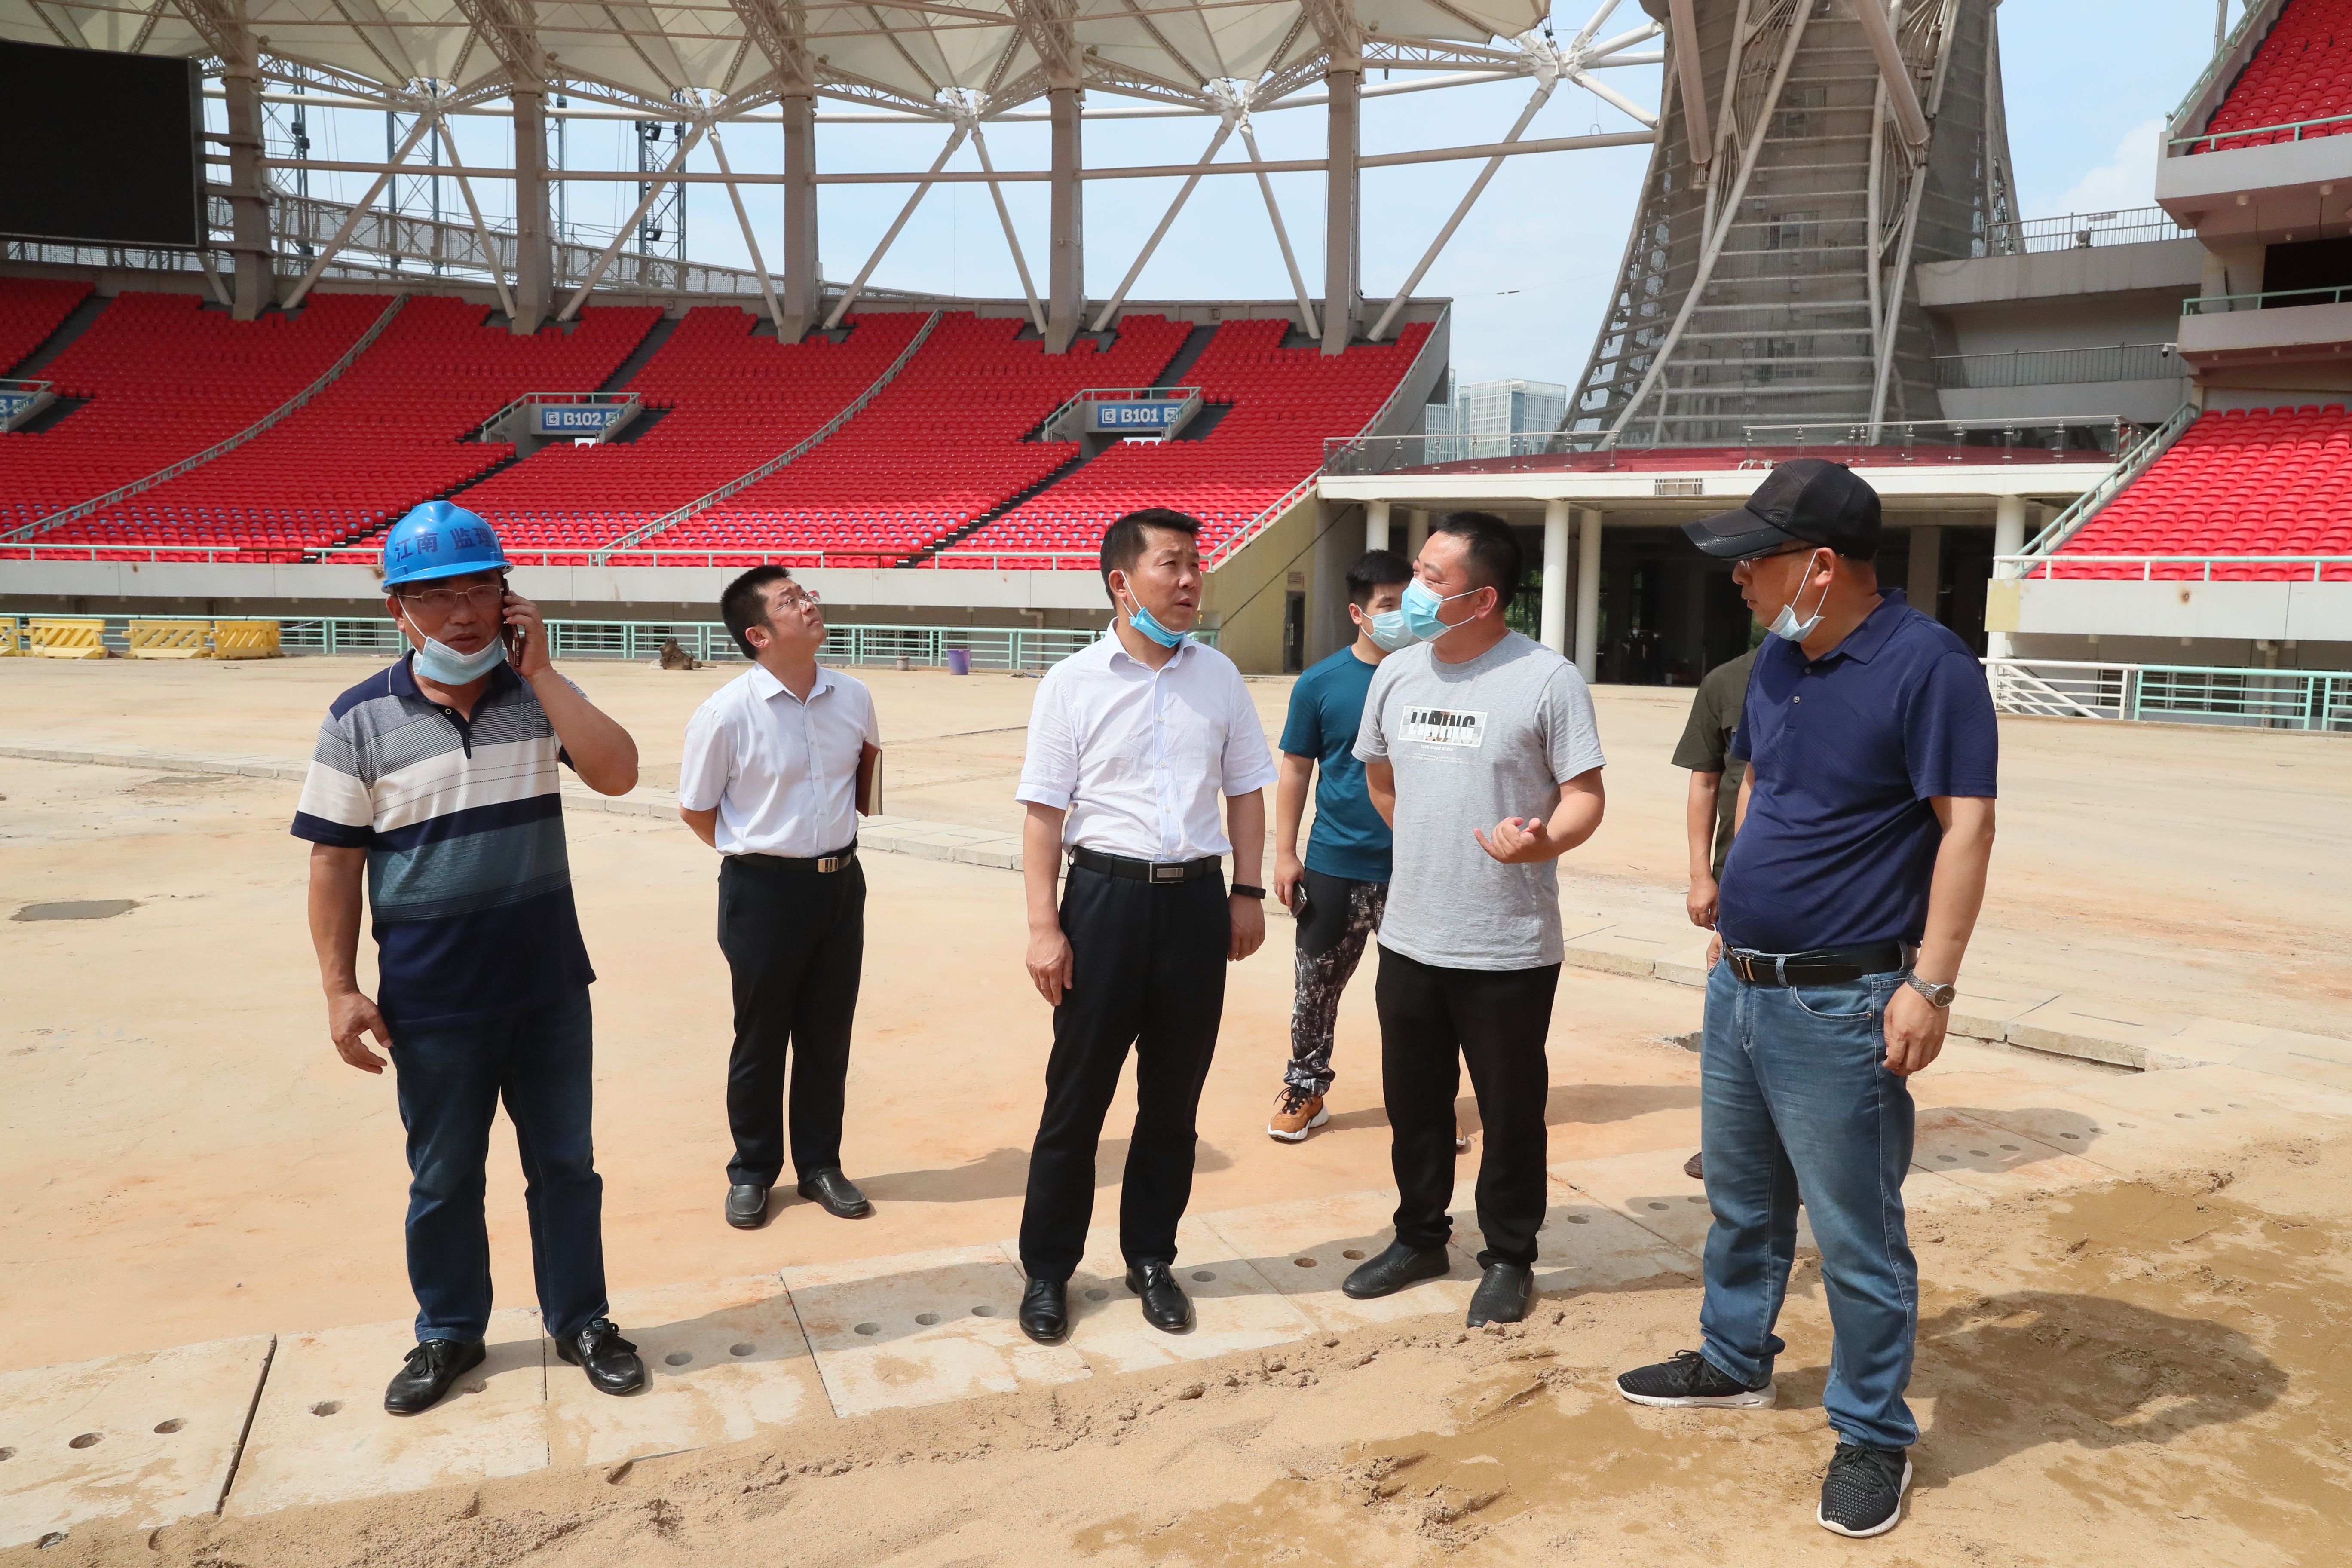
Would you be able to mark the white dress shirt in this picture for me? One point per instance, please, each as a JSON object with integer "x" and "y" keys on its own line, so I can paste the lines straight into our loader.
{"x": 781, "y": 771}
{"x": 1138, "y": 756}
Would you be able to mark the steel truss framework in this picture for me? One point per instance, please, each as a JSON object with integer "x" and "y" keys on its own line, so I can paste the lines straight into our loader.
{"x": 1766, "y": 278}
{"x": 707, "y": 64}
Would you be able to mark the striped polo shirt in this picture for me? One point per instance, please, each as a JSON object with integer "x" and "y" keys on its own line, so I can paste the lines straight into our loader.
{"x": 468, "y": 877}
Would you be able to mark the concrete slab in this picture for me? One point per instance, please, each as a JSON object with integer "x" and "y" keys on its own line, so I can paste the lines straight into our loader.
{"x": 725, "y": 1361}
{"x": 1633, "y": 949}
{"x": 1994, "y": 1159}
{"x": 922, "y": 1328}
{"x": 1649, "y": 1189}
{"x": 138, "y": 1440}
{"x": 1685, "y": 965}
{"x": 2128, "y": 1143}
{"x": 1235, "y": 1308}
{"x": 1584, "y": 1247}
{"x": 2297, "y": 1062}
{"x": 321, "y": 1432}
{"x": 2102, "y": 1028}
{"x": 1306, "y": 1247}
{"x": 2219, "y": 1092}
{"x": 1985, "y": 1010}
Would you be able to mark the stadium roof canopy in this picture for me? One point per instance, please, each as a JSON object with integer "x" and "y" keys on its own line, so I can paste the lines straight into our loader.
{"x": 929, "y": 58}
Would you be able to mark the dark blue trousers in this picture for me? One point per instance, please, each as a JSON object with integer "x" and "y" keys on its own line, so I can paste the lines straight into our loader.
{"x": 451, "y": 1079}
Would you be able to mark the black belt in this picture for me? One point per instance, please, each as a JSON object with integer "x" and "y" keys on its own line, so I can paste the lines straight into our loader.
{"x": 838, "y": 861}
{"x": 1822, "y": 966}
{"x": 1147, "y": 870}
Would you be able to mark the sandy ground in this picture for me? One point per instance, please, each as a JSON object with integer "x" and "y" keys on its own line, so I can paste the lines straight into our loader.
{"x": 2145, "y": 1372}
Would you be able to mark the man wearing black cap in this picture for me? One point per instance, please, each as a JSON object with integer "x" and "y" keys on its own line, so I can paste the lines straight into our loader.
{"x": 1866, "y": 823}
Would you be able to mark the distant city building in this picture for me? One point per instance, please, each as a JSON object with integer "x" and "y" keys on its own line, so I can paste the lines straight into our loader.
{"x": 1491, "y": 408}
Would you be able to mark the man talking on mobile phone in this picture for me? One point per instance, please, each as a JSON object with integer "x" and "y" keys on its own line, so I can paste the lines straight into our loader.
{"x": 438, "y": 777}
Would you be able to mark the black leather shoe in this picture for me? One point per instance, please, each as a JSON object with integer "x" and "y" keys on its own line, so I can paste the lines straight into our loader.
{"x": 841, "y": 1199}
{"x": 747, "y": 1207}
{"x": 1046, "y": 1310}
{"x": 611, "y": 1361}
{"x": 1504, "y": 1296}
{"x": 426, "y": 1375}
{"x": 1165, "y": 1305}
{"x": 1396, "y": 1268}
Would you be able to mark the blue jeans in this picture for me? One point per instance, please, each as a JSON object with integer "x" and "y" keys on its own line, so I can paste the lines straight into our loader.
{"x": 1795, "y": 1099}
{"x": 451, "y": 1078}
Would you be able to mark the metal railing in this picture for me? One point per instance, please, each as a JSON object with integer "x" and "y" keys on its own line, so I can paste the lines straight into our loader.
{"x": 325, "y": 378}
{"x": 2129, "y": 465}
{"x": 2296, "y": 131}
{"x": 735, "y": 486}
{"x": 2308, "y": 700}
{"x": 1361, "y": 457}
{"x": 2057, "y": 367}
{"x": 2058, "y": 438}
{"x": 531, "y": 399}
{"x": 1114, "y": 394}
{"x": 2191, "y": 568}
{"x": 1025, "y": 649}
{"x": 2275, "y": 299}
{"x": 2083, "y": 231}
{"x": 2228, "y": 51}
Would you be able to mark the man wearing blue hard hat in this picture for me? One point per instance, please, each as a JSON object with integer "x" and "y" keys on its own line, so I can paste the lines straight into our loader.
{"x": 440, "y": 776}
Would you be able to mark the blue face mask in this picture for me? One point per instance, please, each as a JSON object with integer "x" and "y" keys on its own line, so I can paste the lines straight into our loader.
{"x": 1419, "y": 610}
{"x": 1388, "y": 631}
{"x": 1786, "y": 624}
{"x": 444, "y": 665}
{"x": 1147, "y": 623}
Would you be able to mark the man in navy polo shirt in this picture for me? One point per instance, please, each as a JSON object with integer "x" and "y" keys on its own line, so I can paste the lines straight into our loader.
{"x": 1866, "y": 825}
{"x": 438, "y": 778}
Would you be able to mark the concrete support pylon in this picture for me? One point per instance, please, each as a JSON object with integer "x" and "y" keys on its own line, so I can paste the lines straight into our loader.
{"x": 1343, "y": 281}
{"x": 803, "y": 301}
{"x": 1065, "y": 269}
{"x": 1588, "y": 594}
{"x": 1376, "y": 525}
{"x": 2008, "y": 539}
{"x": 534, "y": 275}
{"x": 253, "y": 282}
{"x": 1553, "y": 623}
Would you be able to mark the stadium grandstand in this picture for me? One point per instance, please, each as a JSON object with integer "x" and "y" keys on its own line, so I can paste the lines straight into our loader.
{"x": 2063, "y": 413}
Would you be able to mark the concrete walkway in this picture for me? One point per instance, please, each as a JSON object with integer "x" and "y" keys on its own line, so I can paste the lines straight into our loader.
{"x": 249, "y": 1426}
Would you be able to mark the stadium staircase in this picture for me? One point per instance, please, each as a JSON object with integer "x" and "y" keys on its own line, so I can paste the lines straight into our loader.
{"x": 40, "y": 318}
{"x": 2272, "y": 482}
{"x": 391, "y": 432}
{"x": 170, "y": 384}
{"x": 647, "y": 346}
{"x": 2301, "y": 72}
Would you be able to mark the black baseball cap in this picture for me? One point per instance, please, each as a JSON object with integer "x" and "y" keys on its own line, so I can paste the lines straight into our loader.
{"x": 1807, "y": 500}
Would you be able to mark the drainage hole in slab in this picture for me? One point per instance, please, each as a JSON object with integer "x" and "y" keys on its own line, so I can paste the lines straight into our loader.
{"x": 1303, "y": 1262}
{"x": 87, "y": 1439}
{"x": 1579, "y": 1219}
{"x": 2209, "y": 1111}
{"x": 983, "y": 1311}
{"x": 746, "y": 1348}
{"x": 869, "y": 1328}
{"x": 677, "y": 1358}
{"x": 1098, "y": 1294}
{"x": 2011, "y": 1149}
{"x": 2184, "y": 1116}
{"x": 1694, "y": 1200}
{"x": 326, "y": 1407}
{"x": 1949, "y": 1159}
{"x": 2131, "y": 1124}
{"x": 168, "y": 1427}
{"x": 1203, "y": 1276}
{"x": 2236, "y": 1106}
{"x": 1354, "y": 1255}
{"x": 926, "y": 1320}
{"x": 1981, "y": 1153}
{"x": 2072, "y": 1135}
{"x": 1661, "y": 1207}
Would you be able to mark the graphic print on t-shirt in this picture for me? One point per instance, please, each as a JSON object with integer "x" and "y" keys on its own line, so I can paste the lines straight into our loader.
{"x": 1453, "y": 728}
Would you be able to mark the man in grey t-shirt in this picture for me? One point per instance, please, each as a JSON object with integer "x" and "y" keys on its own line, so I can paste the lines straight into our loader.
{"x": 1480, "y": 750}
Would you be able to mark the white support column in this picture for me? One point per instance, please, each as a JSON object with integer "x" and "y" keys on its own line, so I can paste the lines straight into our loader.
{"x": 1588, "y": 594}
{"x": 534, "y": 284}
{"x": 1065, "y": 269}
{"x": 1927, "y": 574}
{"x": 2008, "y": 539}
{"x": 248, "y": 198}
{"x": 1416, "y": 533}
{"x": 1342, "y": 206}
{"x": 804, "y": 278}
{"x": 1554, "y": 623}
{"x": 1376, "y": 525}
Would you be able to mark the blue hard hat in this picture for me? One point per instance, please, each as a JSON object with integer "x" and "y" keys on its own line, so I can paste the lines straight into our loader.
{"x": 440, "y": 538}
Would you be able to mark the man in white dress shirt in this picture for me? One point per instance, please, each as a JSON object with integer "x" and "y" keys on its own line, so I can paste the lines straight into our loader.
{"x": 1130, "y": 743}
{"x": 769, "y": 780}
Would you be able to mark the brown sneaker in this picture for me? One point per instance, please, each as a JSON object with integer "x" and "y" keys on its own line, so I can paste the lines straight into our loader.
{"x": 1295, "y": 1114}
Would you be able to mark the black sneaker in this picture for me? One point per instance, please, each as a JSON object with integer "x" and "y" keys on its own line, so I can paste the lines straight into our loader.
{"x": 1863, "y": 1493}
{"x": 1690, "y": 1379}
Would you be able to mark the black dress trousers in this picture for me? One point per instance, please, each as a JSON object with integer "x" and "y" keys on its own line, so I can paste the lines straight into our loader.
{"x": 795, "y": 941}
{"x": 1149, "y": 965}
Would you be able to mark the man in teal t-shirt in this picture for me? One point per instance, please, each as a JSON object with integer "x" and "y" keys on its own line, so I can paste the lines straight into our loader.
{"x": 1338, "y": 893}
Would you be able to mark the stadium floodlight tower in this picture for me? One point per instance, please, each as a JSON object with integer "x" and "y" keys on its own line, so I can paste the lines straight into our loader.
{"x": 1810, "y": 153}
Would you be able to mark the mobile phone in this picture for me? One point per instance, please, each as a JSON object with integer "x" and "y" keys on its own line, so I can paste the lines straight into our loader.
{"x": 509, "y": 634}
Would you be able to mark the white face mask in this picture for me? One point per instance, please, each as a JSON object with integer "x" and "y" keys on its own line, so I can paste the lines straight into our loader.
{"x": 1787, "y": 625}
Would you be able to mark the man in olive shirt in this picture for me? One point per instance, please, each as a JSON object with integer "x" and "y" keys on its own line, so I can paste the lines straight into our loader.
{"x": 1712, "y": 814}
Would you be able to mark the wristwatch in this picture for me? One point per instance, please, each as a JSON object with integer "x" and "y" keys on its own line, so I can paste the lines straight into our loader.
{"x": 1244, "y": 890}
{"x": 1937, "y": 995}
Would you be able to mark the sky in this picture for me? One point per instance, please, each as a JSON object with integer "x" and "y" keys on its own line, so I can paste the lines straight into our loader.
{"x": 2087, "y": 85}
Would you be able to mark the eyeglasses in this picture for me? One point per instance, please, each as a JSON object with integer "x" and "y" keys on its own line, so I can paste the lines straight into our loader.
{"x": 796, "y": 599}
{"x": 485, "y": 596}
